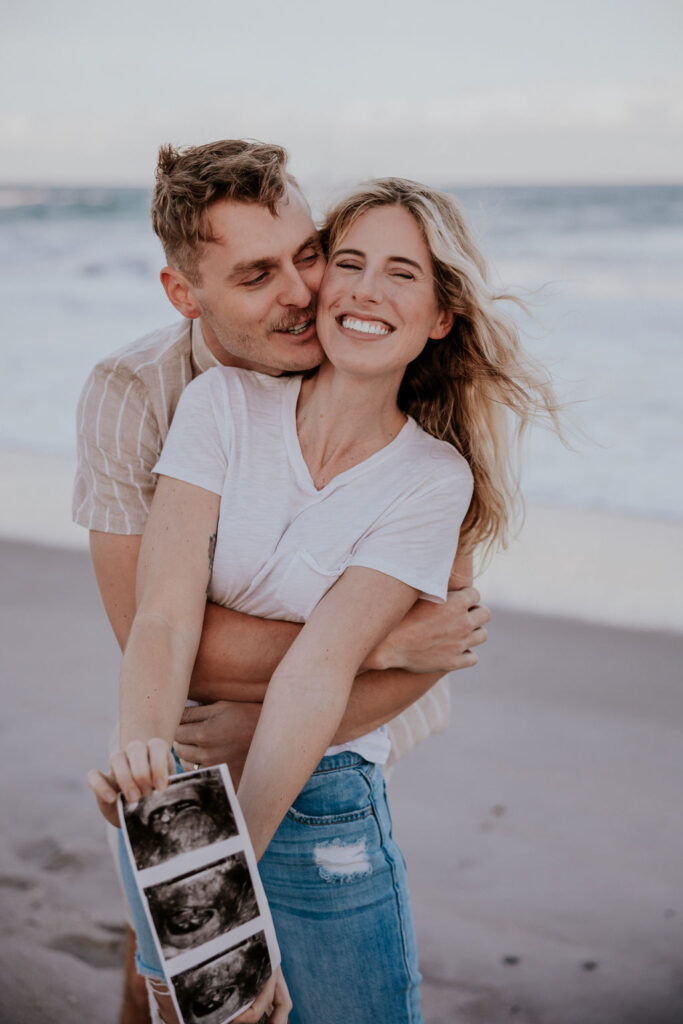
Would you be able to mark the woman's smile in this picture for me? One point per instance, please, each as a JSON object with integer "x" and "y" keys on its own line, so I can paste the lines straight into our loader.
{"x": 362, "y": 325}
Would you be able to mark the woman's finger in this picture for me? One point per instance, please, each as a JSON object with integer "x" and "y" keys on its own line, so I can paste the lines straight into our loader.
{"x": 261, "y": 1005}
{"x": 101, "y": 786}
{"x": 120, "y": 769}
{"x": 282, "y": 1002}
{"x": 159, "y": 762}
{"x": 106, "y": 794}
{"x": 137, "y": 753}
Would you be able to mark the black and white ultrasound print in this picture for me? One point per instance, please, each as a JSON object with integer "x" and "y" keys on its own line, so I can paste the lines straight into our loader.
{"x": 198, "y": 881}
{"x": 189, "y": 910}
{"x": 215, "y": 990}
{"x": 193, "y": 812}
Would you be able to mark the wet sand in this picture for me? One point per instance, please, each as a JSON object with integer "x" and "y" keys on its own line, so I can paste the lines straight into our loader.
{"x": 542, "y": 832}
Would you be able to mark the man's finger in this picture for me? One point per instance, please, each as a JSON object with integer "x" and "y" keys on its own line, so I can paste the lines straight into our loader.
{"x": 480, "y": 615}
{"x": 477, "y": 637}
{"x": 195, "y": 755}
{"x": 190, "y": 732}
{"x": 471, "y": 595}
{"x": 468, "y": 659}
{"x": 197, "y": 714}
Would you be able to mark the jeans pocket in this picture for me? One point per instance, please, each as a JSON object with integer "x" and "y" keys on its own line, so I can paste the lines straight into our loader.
{"x": 330, "y": 798}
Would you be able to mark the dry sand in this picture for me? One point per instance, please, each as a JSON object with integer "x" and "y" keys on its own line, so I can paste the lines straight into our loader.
{"x": 543, "y": 832}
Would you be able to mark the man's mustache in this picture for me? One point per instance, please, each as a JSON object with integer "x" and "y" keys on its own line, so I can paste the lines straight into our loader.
{"x": 302, "y": 317}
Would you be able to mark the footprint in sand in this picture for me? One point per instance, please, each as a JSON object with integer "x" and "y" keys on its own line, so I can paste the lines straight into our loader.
{"x": 16, "y": 882}
{"x": 92, "y": 951}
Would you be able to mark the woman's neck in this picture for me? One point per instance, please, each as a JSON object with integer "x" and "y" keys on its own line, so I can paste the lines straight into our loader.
{"x": 342, "y": 420}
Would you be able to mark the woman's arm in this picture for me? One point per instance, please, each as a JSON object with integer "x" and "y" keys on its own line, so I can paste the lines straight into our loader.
{"x": 173, "y": 570}
{"x": 309, "y": 690}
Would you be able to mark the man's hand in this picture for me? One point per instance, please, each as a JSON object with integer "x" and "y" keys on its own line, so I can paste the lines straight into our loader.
{"x": 435, "y": 637}
{"x": 217, "y": 733}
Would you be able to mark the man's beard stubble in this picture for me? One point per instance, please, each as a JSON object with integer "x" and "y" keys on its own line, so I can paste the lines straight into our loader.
{"x": 246, "y": 346}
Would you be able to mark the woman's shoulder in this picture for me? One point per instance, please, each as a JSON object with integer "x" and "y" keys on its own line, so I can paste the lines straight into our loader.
{"x": 441, "y": 461}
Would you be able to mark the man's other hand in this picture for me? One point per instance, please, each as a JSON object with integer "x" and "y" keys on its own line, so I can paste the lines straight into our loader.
{"x": 436, "y": 637}
{"x": 217, "y": 733}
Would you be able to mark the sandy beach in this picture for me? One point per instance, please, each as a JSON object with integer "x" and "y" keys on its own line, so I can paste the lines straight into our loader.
{"x": 542, "y": 832}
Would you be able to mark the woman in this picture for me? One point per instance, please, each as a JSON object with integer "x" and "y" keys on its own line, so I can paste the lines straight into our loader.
{"x": 334, "y": 500}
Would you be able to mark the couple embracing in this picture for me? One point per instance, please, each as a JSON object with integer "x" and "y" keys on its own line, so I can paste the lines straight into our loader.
{"x": 318, "y": 447}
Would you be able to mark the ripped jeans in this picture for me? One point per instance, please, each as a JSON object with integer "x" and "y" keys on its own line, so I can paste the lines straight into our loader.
{"x": 336, "y": 885}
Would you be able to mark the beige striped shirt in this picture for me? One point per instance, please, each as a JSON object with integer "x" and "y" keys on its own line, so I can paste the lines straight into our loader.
{"x": 123, "y": 417}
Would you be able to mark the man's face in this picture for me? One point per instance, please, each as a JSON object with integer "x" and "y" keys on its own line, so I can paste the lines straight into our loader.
{"x": 259, "y": 283}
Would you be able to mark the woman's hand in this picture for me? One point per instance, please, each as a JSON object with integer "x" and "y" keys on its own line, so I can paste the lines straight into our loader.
{"x": 135, "y": 772}
{"x": 272, "y": 1004}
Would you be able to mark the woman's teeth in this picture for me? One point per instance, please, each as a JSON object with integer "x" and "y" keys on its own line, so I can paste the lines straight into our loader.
{"x": 366, "y": 326}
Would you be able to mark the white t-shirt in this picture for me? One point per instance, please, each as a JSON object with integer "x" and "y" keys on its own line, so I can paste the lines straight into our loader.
{"x": 281, "y": 543}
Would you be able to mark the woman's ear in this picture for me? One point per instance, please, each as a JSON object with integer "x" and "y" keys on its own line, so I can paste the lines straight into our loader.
{"x": 442, "y": 325}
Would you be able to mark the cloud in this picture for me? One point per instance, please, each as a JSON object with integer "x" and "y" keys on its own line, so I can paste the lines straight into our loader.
{"x": 610, "y": 132}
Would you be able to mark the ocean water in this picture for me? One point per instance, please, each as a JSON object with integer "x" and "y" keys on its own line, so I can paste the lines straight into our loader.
{"x": 601, "y": 268}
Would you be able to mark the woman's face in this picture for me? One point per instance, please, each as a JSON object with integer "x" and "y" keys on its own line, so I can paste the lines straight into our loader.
{"x": 377, "y": 306}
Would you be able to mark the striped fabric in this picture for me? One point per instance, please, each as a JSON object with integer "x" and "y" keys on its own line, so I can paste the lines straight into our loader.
{"x": 122, "y": 420}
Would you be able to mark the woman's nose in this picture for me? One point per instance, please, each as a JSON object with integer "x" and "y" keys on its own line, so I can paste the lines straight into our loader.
{"x": 366, "y": 287}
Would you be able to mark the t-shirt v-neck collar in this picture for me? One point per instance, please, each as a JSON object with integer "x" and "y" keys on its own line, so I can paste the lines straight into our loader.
{"x": 296, "y": 458}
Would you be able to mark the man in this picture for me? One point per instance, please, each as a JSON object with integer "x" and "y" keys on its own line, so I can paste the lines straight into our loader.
{"x": 244, "y": 267}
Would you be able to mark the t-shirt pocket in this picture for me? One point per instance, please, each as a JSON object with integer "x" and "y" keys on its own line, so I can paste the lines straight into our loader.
{"x": 304, "y": 582}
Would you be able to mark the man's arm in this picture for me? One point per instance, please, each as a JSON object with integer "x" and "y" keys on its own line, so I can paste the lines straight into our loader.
{"x": 238, "y": 654}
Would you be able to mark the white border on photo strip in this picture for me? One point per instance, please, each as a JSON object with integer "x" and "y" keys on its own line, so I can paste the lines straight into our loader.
{"x": 194, "y": 861}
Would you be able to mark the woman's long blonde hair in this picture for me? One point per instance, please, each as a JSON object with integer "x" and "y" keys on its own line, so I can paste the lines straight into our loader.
{"x": 476, "y": 388}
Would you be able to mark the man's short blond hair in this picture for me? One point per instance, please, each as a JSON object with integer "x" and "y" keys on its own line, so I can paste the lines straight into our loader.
{"x": 188, "y": 181}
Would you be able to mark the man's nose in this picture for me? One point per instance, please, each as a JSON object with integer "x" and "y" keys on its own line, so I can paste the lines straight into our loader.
{"x": 295, "y": 291}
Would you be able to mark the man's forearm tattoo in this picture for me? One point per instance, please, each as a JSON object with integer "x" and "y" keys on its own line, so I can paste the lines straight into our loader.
{"x": 212, "y": 552}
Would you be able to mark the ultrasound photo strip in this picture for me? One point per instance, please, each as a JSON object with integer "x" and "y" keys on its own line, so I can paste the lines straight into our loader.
{"x": 197, "y": 878}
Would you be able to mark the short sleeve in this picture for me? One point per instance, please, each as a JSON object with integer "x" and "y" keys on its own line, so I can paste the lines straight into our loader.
{"x": 117, "y": 443}
{"x": 416, "y": 539}
{"x": 196, "y": 447}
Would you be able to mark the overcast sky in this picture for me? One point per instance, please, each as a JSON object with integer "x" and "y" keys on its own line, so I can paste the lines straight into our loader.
{"x": 452, "y": 92}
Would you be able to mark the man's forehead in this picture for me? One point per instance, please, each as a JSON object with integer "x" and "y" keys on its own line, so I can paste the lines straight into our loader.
{"x": 247, "y": 232}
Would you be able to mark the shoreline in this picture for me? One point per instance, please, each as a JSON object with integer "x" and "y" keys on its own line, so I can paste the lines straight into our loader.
{"x": 595, "y": 567}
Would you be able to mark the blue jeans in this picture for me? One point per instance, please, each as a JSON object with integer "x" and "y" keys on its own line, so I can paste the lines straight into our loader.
{"x": 336, "y": 885}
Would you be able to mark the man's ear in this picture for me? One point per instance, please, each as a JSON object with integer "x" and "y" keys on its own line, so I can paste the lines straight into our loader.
{"x": 442, "y": 325}
{"x": 180, "y": 292}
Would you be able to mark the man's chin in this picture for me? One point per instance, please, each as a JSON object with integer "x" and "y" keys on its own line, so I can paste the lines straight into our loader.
{"x": 294, "y": 356}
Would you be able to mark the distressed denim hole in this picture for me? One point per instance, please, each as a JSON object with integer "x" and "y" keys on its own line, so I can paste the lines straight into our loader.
{"x": 342, "y": 862}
